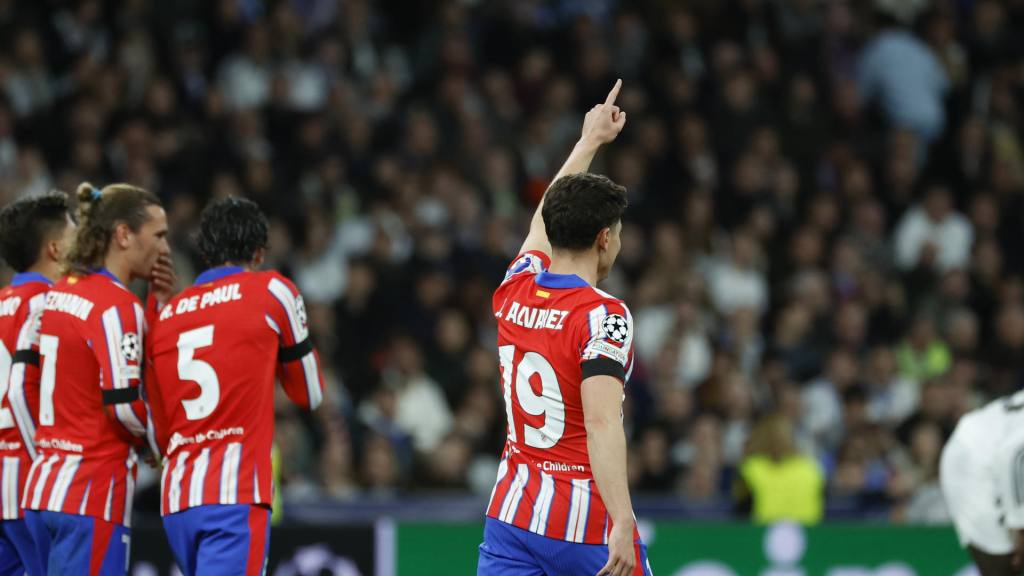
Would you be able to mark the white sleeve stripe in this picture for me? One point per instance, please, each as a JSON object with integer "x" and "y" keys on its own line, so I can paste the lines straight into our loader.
{"x": 299, "y": 332}
{"x": 287, "y": 300}
{"x": 27, "y": 338}
{"x": 629, "y": 327}
{"x": 112, "y": 328}
{"x": 597, "y": 316}
{"x": 273, "y": 325}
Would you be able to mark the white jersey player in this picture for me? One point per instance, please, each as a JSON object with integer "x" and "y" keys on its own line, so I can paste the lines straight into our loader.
{"x": 982, "y": 478}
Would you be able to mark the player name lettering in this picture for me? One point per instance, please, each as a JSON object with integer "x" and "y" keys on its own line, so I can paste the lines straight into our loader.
{"x": 69, "y": 304}
{"x": 536, "y": 318}
{"x": 549, "y": 466}
{"x": 4, "y": 445}
{"x": 60, "y": 444}
{"x": 8, "y": 306}
{"x": 179, "y": 440}
{"x": 218, "y": 295}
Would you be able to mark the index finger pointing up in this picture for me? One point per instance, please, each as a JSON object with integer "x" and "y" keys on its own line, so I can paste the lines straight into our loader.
{"x": 614, "y": 93}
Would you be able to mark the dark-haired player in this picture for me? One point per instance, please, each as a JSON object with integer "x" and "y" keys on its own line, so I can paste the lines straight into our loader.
{"x": 213, "y": 355}
{"x": 561, "y": 503}
{"x": 91, "y": 418}
{"x": 35, "y": 234}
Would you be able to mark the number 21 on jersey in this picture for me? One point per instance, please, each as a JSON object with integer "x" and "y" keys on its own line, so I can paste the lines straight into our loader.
{"x": 518, "y": 390}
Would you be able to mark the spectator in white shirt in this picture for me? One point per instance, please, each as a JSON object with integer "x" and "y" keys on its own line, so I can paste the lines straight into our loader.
{"x": 934, "y": 230}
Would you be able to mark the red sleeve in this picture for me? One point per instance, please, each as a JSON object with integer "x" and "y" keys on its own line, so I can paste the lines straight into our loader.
{"x": 298, "y": 361}
{"x": 606, "y": 346}
{"x": 23, "y": 389}
{"x": 119, "y": 353}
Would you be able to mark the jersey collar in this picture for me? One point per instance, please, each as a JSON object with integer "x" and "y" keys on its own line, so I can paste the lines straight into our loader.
{"x": 110, "y": 275}
{"x": 551, "y": 280}
{"x": 214, "y": 274}
{"x": 26, "y": 277}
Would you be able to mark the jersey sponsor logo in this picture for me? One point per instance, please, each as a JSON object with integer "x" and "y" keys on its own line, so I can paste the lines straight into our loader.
{"x": 130, "y": 347}
{"x": 615, "y": 328}
{"x": 6, "y": 446}
{"x": 549, "y": 466}
{"x": 60, "y": 444}
{"x": 178, "y": 440}
{"x": 72, "y": 304}
{"x": 9, "y": 306}
{"x": 536, "y": 318}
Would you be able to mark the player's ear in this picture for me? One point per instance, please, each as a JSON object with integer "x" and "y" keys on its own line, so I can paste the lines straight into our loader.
{"x": 258, "y": 258}
{"x": 123, "y": 235}
{"x": 604, "y": 237}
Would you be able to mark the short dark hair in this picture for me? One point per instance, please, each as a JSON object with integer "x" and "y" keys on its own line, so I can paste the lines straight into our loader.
{"x": 578, "y": 206}
{"x": 231, "y": 230}
{"x": 28, "y": 223}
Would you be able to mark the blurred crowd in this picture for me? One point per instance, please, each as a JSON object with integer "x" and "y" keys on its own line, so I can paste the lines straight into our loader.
{"x": 819, "y": 253}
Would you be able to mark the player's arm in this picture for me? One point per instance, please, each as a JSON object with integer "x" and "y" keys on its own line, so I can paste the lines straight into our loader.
{"x": 23, "y": 389}
{"x": 119, "y": 353}
{"x": 605, "y": 363}
{"x": 606, "y": 443}
{"x": 298, "y": 363}
{"x": 158, "y": 424}
{"x": 600, "y": 126}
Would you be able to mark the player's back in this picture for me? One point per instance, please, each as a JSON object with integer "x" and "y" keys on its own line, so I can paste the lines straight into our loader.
{"x": 214, "y": 352}
{"x": 21, "y": 306}
{"x": 90, "y": 417}
{"x": 549, "y": 327}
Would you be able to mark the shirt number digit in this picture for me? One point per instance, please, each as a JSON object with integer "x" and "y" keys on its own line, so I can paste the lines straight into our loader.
{"x": 548, "y": 403}
{"x": 198, "y": 371}
{"x": 47, "y": 377}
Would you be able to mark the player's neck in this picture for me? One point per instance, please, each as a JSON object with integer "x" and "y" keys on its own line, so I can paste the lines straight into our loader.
{"x": 49, "y": 270}
{"x": 583, "y": 265}
{"x": 119, "y": 268}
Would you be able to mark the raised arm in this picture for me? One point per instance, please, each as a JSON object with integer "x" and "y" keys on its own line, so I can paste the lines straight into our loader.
{"x": 601, "y": 125}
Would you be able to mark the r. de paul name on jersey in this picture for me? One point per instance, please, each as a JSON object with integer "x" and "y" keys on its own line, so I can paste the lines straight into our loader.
{"x": 218, "y": 295}
{"x": 535, "y": 318}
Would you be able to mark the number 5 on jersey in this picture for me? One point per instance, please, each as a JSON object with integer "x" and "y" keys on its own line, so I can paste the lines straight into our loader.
{"x": 198, "y": 371}
{"x": 548, "y": 404}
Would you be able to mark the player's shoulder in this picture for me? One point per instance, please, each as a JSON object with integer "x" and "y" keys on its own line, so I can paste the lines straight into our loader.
{"x": 271, "y": 279}
{"x": 591, "y": 297}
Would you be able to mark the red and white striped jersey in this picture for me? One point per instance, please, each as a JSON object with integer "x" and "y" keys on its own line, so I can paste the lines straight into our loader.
{"x": 554, "y": 331}
{"x": 91, "y": 414}
{"x": 21, "y": 307}
{"x": 213, "y": 354}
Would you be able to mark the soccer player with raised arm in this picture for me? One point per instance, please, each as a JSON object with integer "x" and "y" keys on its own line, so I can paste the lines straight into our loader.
{"x": 561, "y": 503}
{"x": 91, "y": 416}
{"x": 213, "y": 354}
{"x": 35, "y": 234}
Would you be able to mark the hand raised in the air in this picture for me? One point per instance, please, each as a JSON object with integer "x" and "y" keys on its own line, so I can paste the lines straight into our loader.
{"x": 603, "y": 122}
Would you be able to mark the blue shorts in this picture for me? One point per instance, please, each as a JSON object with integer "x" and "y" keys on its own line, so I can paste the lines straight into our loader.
{"x": 18, "y": 550}
{"x": 73, "y": 544}
{"x": 511, "y": 551}
{"x": 220, "y": 539}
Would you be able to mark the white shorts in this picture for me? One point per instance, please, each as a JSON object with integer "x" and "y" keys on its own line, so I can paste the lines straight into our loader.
{"x": 969, "y": 486}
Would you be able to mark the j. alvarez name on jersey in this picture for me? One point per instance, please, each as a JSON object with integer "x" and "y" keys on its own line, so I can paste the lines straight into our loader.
{"x": 213, "y": 297}
{"x": 535, "y": 318}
